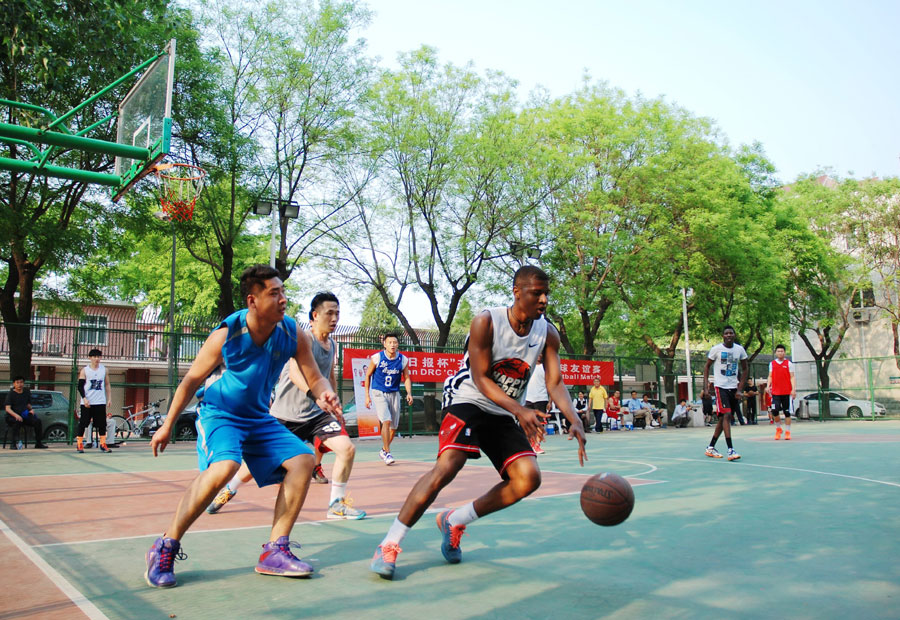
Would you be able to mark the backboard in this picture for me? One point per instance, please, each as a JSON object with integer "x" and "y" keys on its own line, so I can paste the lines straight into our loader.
{"x": 145, "y": 120}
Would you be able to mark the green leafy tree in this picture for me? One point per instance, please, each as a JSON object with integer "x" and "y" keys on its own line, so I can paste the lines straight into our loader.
{"x": 56, "y": 55}
{"x": 872, "y": 228}
{"x": 655, "y": 204}
{"x": 451, "y": 167}
{"x": 315, "y": 80}
{"x": 375, "y": 315}
{"x": 221, "y": 134}
{"x": 463, "y": 319}
{"x": 822, "y": 280}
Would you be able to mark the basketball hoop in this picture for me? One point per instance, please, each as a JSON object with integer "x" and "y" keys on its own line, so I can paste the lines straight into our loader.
{"x": 179, "y": 187}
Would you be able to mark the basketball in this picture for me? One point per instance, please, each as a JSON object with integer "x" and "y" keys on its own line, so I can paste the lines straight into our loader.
{"x": 607, "y": 499}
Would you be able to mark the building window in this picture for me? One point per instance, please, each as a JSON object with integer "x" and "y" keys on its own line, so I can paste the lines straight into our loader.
{"x": 38, "y": 327}
{"x": 189, "y": 346}
{"x": 93, "y": 330}
{"x": 140, "y": 347}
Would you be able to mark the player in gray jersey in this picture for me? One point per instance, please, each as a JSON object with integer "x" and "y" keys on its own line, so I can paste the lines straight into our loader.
{"x": 294, "y": 408}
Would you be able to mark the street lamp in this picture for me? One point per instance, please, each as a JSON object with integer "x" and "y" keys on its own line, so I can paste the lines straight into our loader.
{"x": 687, "y": 347}
{"x": 275, "y": 206}
{"x": 522, "y": 250}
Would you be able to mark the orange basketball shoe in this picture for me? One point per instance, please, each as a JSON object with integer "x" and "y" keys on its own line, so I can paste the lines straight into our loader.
{"x": 787, "y": 435}
{"x": 777, "y": 433}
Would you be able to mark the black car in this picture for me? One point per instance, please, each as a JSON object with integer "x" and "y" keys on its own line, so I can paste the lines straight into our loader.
{"x": 186, "y": 425}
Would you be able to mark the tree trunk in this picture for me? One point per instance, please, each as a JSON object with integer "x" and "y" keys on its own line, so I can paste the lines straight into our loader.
{"x": 564, "y": 336}
{"x": 588, "y": 346}
{"x": 225, "y": 304}
{"x": 18, "y": 319}
{"x": 894, "y": 331}
{"x": 431, "y": 407}
{"x": 668, "y": 364}
{"x": 824, "y": 386}
{"x": 19, "y": 336}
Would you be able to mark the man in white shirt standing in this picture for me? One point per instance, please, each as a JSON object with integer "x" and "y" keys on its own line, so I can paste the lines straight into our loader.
{"x": 93, "y": 386}
{"x": 730, "y": 373}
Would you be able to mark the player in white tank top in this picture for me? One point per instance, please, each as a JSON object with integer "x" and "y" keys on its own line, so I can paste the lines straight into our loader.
{"x": 487, "y": 415}
{"x": 93, "y": 385}
{"x": 513, "y": 358}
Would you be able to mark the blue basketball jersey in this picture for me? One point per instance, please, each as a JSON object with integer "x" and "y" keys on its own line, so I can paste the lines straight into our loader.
{"x": 388, "y": 372}
{"x": 243, "y": 384}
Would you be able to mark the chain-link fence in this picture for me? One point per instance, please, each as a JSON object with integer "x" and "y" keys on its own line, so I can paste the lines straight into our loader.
{"x": 849, "y": 388}
{"x": 144, "y": 361}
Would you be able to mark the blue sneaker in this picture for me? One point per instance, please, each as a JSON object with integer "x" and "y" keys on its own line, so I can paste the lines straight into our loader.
{"x": 342, "y": 508}
{"x": 221, "y": 499}
{"x": 385, "y": 560}
{"x": 452, "y": 534}
{"x": 161, "y": 562}
{"x": 277, "y": 559}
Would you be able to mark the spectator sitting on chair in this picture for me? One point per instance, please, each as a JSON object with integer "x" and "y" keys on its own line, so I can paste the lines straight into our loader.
{"x": 613, "y": 407}
{"x": 681, "y": 416}
{"x": 658, "y": 417}
{"x": 635, "y": 408}
{"x": 581, "y": 408}
{"x": 19, "y": 413}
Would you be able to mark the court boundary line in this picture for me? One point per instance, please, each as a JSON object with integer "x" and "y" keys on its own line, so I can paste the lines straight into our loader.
{"x": 73, "y": 594}
{"x": 808, "y": 471}
{"x": 825, "y": 473}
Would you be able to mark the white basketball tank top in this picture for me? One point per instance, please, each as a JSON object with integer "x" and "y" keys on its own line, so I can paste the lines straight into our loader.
{"x": 513, "y": 358}
{"x": 95, "y": 384}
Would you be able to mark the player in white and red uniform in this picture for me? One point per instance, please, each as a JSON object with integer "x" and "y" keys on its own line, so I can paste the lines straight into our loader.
{"x": 729, "y": 362}
{"x": 487, "y": 414}
{"x": 782, "y": 385}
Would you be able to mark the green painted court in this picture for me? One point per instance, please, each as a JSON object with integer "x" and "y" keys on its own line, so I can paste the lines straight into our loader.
{"x": 808, "y": 528}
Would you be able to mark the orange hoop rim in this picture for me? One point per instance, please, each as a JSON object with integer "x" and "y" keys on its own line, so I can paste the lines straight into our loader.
{"x": 198, "y": 172}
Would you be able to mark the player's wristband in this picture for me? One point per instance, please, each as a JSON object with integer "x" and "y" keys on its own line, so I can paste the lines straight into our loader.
{"x": 310, "y": 395}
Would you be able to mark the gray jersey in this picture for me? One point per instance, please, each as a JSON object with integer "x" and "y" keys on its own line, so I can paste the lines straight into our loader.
{"x": 292, "y": 404}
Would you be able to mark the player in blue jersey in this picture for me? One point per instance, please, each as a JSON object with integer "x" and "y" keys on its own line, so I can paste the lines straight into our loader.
{"x": 238, "y": 366}
{"x": 387, "y": 370}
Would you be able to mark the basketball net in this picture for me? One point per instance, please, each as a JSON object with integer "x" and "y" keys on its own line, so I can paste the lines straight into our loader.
{"x": 179, "y": 187}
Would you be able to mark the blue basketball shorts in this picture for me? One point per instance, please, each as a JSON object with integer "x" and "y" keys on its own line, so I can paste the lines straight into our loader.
{"x": 263, "y": 443}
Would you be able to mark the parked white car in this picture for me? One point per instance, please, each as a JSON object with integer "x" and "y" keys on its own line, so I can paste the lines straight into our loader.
{"x": 842, "y": 406}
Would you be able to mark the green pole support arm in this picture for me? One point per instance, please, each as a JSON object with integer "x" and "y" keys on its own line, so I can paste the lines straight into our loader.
{"x": 34, "y": 108}
{"x": 37, "y": 152}
{"x": 86, "y": 176}
{"x": 73, "y": 142}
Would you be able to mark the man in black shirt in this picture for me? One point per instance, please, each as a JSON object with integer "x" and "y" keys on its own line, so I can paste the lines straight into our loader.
{"x": 19, "y": 412}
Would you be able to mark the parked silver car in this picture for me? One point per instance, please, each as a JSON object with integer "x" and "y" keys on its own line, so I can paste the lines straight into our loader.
{"x": 842, "y": 406}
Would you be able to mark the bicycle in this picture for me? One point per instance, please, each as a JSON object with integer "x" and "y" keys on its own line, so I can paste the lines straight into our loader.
{"x": 142, "y": 423}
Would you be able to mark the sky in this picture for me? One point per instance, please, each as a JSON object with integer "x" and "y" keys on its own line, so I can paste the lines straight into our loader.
{"x": 817, "y": 83}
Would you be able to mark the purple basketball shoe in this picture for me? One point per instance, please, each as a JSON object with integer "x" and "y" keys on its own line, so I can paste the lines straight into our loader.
{"x": 277, "y": 559}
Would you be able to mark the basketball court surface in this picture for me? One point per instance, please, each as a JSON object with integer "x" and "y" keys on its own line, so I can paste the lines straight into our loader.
{"x": 808, "y": 528}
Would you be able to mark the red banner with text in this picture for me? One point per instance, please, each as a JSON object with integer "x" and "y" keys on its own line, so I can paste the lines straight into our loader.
{"x": 435, "y": 367}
